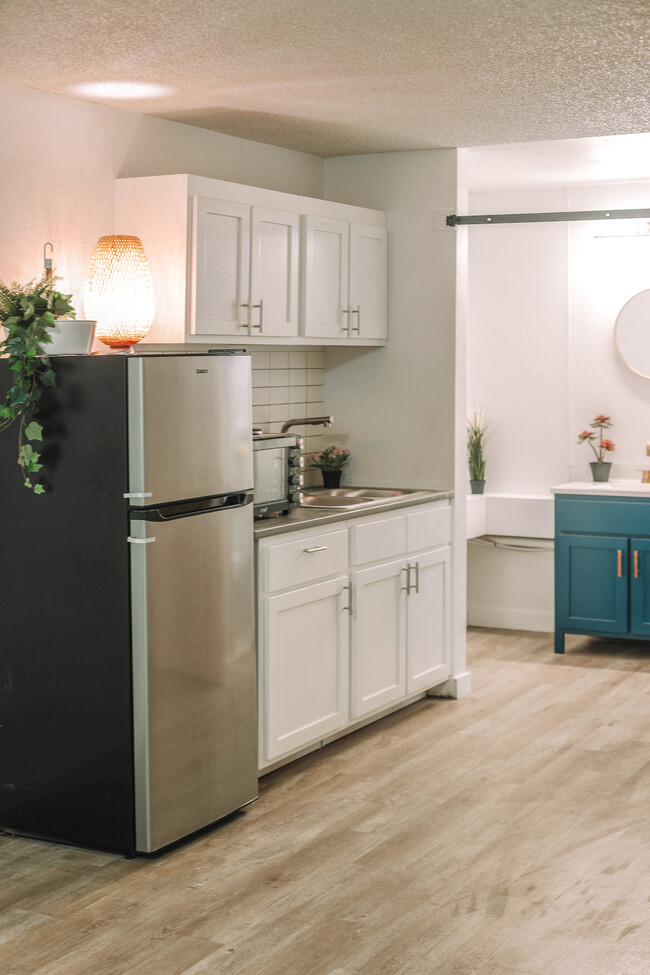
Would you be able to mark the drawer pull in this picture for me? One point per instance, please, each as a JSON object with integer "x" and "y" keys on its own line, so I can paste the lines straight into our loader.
{"x": 316, "y": 548}
{"x": 636, "y": 565}
{"x": 407, "y": 587}
{"x": 417, "y": 578}
{"x": 620, "y": 563}
{"x": 348, "y": 608}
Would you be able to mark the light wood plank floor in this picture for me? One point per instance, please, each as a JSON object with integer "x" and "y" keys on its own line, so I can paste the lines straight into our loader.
{"x": 507, "y": 833}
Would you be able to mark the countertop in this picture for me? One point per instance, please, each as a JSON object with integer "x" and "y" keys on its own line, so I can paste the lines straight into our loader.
{"x": 608, "y": 489}
{"x": 315, "y": 517}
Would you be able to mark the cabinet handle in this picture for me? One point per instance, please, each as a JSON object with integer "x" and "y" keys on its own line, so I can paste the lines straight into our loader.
{"x": 247, "y": 304}
{"x": 141, "y": 541}
{"x": 348, "y": 608}
{"x": 356, "y": 311}
{"x": 620, "y": 563}
{"x": 346, "y": 328}
{"x": 417, "y": 578}
{"x": 407, "y": 587}
{"x": 316, "y": 548}
{"x": 636, "y": 564}
{"x": 261, "y": 308}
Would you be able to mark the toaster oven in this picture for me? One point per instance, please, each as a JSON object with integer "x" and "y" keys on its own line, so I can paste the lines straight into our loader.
{"x": 277, "y": 473}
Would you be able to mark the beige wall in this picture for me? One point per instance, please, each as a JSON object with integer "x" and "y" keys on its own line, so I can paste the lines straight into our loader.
{"x": 59, "y": 158}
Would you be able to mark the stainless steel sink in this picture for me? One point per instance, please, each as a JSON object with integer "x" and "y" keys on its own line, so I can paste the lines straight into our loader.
{"x": 352, "y": 497}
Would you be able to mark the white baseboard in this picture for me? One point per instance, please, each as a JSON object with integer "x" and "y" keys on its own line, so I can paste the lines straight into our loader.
{"x": 457, "y": 686}
{"x": 510, "y": 619}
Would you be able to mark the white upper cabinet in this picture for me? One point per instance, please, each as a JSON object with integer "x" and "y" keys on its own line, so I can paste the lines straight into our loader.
{"x": 325, "y": 277}
{"x": 344, "y": 279}
{"x": 220, "y": 267}
{"x": 229, "y": 263}
{"x": 245, "y": 270}
{"x": 368, "y": 281}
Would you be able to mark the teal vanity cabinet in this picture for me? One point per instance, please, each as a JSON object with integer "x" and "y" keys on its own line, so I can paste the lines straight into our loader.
{"x": 602, "y": 566}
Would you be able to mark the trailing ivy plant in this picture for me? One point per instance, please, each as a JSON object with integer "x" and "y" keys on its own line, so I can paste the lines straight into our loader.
{"x": 28, "y": 312}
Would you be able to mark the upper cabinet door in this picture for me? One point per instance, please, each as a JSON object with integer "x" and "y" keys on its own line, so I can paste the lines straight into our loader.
{"x": 368, "y": 281}
{"x": 274, "y": 272}
{"x": 326, "y": 310}
{"x": 220, "y": 268}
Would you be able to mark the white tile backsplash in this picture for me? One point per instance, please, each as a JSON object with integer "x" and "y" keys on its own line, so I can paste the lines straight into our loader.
{"x": 289, "y": 385}
{"x": 278, "y": 377}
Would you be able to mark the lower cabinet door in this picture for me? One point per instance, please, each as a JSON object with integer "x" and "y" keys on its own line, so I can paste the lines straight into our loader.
{"x": 378, "y": 637}
{"x": 640, "y": 587}
{"x": 591, "y": 582}
{"x": 428, "y": 621}
{"x": 304, "y": 687}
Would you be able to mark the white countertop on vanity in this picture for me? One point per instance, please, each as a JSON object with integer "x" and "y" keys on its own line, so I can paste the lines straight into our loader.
{"x": 621, "y": 488}
{"x": 301, "y": 518}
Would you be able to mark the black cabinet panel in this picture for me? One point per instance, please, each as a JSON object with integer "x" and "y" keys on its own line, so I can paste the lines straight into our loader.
{"x": 65, "y": 660}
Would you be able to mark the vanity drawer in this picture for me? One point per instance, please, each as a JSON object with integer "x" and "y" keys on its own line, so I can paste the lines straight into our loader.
{"x": 428, "y": 527}
{"x": 302, "y": 560}
{"x": 602, "y": 516}
{"x": 378, "y": 539}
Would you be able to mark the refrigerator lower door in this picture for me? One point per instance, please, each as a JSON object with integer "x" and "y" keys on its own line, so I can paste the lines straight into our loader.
{"x": 195, "y": 710}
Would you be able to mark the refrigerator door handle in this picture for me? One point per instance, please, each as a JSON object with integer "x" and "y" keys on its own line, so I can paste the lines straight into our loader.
{"x": 141, "y": 541}
{"x": 181, "y": 509}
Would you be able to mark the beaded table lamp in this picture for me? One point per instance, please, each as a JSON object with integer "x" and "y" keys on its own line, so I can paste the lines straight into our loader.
{"x": 119, "y": 291}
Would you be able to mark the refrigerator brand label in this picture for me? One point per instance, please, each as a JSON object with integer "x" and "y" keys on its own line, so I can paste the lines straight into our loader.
{"x": 201, "y": 370}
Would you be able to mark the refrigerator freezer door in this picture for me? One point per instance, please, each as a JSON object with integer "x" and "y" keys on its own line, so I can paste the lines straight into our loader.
{"x": 195, "y": 712}
{"x": 190, "y": 420}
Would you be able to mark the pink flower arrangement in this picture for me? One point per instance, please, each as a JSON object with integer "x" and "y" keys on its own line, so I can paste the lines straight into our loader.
{"x": 603, "y": 446}
{"x": 331, "y": 459}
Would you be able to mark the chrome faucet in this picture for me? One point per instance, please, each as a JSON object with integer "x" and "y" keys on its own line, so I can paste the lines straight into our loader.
{"x": 308, "y": 421}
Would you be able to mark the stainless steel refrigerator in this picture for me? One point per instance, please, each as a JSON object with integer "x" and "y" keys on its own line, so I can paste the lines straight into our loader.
{"x": 127, "y": 662}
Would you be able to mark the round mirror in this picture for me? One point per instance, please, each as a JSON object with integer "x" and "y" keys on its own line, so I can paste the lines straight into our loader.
{"x": 632, "y": 334}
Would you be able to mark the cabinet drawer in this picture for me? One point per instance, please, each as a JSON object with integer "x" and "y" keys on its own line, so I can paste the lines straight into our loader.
{"x": 303, "y": 560}
{"x": 428, "y": 527}
{"x": 604, "y": 516}
{"x": 377, "y": 539}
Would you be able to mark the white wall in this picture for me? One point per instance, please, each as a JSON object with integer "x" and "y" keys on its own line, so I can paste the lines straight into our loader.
{"x": 59, "y": 157}
{"x": 543, "y": 299}
{"x": 518, "y": 341}
{"x": 604, "y": 274}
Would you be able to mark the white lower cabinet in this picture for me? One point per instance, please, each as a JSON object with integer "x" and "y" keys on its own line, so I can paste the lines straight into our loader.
{"x": 305, "y": 649}
{"x": 428, "y": 620}
{"x": 378, "y": 647}
{"x": 351, "y": 621}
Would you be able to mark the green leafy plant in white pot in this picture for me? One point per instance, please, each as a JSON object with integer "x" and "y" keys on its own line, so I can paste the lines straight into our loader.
{"x": 476, "y": 437}
{"x": 28, "y": 314}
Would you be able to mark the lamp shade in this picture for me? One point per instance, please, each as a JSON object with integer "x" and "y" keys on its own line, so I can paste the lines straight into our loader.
{"x": 119, "y": 291}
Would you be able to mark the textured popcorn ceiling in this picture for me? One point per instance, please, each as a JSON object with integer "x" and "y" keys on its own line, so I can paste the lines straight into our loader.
{"x": 333, "y": 77}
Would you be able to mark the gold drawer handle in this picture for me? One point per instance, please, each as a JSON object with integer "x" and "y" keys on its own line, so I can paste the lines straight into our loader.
{"x": 636, "y": 565}
{"x": 620, "y": 563}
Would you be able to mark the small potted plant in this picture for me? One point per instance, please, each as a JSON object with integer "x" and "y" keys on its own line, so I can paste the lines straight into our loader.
{"x": 476, "y": 436}
{"x": 28, "y": 314}
{"x": 331, "y": 463}
{"x": 600, "y": 468}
